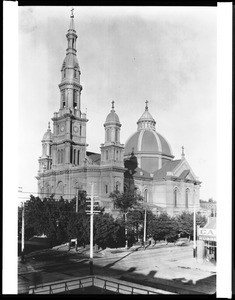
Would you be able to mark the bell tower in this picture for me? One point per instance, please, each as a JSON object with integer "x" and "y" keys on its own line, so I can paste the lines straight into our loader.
{"x": 69, "y": 124}
{"x": 112, "y": 149}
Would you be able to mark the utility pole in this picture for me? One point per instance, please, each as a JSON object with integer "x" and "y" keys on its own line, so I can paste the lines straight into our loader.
{"x": 194, "y": 225}
{"x": 145, "y": 221}
{"x": 91, "y": 229}
{"x": 22, "y": 234}
{"x": 77, "y": 201}
{"x": 125, "y": 215}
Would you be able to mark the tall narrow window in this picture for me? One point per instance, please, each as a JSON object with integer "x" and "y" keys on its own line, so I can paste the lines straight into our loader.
{"x": 107, "y": 155}
{"x": 106, "y": 189}
{"x": 186, "y": 198}
{"x": 64, "y": 73}
{"x": 117, "y": 186}
{"x": 108, "y": 135}
{"x": 116, "y": 135}
{"x": 58, "y": 156}
{"x": 71, "y": 155}
{"x": 74, "y": 156}
{"x": 78, "y": 154}
{"x": 62, "y": 156}
{"x": 80, "y": 130}
{"x": 75, "y": 73}
{"x": 175, "y": 197}
{"x": 146, "y": 195}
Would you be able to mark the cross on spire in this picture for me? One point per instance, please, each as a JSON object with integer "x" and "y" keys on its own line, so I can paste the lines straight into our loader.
{"x": 72, "y": 15}
{"x": 48, "y": 125}
{"x": 182, "y": 154}
{"x": 112, "y": 105}
{"x": 146, "y": 106}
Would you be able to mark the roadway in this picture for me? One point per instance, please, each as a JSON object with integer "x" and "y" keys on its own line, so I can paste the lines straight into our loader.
{"x": 166, "y": 266}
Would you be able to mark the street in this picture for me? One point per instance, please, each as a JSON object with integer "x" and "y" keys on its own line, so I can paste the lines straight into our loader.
{"x": 171, "y": 268}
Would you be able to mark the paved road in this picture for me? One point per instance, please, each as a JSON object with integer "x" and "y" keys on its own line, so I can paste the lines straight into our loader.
{"x": 173, "y": 266}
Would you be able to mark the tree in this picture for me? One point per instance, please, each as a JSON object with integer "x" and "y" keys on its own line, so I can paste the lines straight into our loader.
{"x": 125, "y": 202}
{"x": 185, "y": 223}
{"x": 163, "y": 227}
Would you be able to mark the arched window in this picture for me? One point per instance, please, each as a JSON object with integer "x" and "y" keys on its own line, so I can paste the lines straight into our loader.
{"x": 175, "y": 197}
{"x": 106, "y": 189}
{"x": 62, "y": 156}
{"x": 146, "y": 195}
{"x": 186, "y": 197}
{"x": 58, "y": 156}
{"x": 107, "y": 155}
{"x": 64, "y": 73}
{"x": 117, "y": 186}
{"x": 75, "y": 73}
{"x": 80, "y": 130}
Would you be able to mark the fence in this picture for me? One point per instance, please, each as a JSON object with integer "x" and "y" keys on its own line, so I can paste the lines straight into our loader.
{"x": 114, "y": 285}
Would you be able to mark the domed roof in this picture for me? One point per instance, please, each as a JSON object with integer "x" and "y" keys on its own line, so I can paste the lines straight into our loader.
{"x": 146, "y": 116}
{"x": 48, "y": 134}
{"x": 112, "y": 117}
{"x": 149, "y": 142}
{"x": 70, "y": 61}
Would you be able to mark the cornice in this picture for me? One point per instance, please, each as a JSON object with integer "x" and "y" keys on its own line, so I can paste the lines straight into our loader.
{"x": 68, "y": 84}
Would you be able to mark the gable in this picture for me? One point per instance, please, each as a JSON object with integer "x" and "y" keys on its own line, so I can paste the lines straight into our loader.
{"x": 184, "y": 171}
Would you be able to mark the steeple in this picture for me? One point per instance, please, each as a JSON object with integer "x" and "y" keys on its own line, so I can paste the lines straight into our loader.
{"x": 70, "y": 87}
{"x": 112, "y": 149}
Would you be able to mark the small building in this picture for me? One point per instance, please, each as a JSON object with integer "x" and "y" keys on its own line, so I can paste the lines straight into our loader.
{"x": 207, "y": 240}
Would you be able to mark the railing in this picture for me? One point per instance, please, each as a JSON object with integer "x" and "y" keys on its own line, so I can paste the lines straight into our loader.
{"x": 115, "y": 286}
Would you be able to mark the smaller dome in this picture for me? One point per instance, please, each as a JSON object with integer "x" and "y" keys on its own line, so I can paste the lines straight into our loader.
{"x": 70, "y": 61}
{"x": 112, "y": 117}
{"x": 48, "y": 134}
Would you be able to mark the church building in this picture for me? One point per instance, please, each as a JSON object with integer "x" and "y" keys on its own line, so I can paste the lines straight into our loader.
{"x": 145, "y": 163}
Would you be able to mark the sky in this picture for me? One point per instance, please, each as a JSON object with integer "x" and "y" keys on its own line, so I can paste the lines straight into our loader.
{"x": 166, "y": 55}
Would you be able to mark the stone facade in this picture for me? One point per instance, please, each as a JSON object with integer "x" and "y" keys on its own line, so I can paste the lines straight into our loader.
{"x": 145, "y": 163}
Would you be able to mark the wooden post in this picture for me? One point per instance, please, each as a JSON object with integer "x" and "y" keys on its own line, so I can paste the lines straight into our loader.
{"x": 91, "y": 230}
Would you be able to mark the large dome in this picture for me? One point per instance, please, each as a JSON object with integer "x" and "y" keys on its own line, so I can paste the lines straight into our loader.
{"x": 150, "y": 148}
{"x": 147, "y": 141}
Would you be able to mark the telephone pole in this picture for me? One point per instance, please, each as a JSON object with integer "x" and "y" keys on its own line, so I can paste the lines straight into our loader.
{"x": 194, "y": 225}
{"x": 91, "y": 229}
{"x": 22, "y": 234}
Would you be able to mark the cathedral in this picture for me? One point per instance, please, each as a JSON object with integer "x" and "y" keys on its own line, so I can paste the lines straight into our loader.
{"x": 144, "y": 163}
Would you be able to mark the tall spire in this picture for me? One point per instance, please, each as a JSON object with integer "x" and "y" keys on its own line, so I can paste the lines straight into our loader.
{"x": 71, "y": 27}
